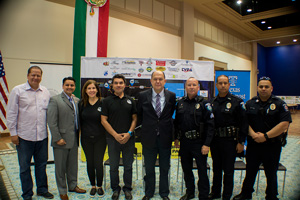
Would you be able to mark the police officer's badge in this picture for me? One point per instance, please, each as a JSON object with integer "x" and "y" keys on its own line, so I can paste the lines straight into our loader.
{"x": 272, "y": 106}
{"x": 208, "y": 107}
{"x": 128, "y": 101}
{"x": 99, "y": 109}
{"x": 228, "y": 105}
{"x": 197, "y": 106}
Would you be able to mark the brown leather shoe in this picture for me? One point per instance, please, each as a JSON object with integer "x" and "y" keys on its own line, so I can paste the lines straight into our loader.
{"x": 78, "y": 190}
{"x": 64, "y": 197}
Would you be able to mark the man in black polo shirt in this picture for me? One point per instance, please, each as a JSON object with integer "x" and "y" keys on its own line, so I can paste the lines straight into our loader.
{"x": 119, "y": 119}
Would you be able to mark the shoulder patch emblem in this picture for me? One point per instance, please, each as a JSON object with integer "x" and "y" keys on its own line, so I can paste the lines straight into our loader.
{"x": 285, "y": 107}
{"x": 243, "y": 105}
{"x": 208, "y": 107}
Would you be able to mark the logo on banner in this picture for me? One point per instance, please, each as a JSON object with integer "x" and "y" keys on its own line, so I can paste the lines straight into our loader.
{"x": 139, "y": 75}
{"x": 106, "y": 63}
{"x": 187, "y": 69}
{"x": 105, "y": 73}
{"x": 233, "y": 80}
{"x": 128, "y": 74}
{"x": 114, "y": 73}
{"x": 114, "y": 62}
{"x": 187, "y": 63}
{"x": 173, "y": 63}
{"x": 149, "y": 62}
{"x": 160, "y": 63}
{"x": 149, "y": 69}
{"x": 141, "y": 70}
{"x": 141, "y": 62}
{"x": 173, "y": 69}
{"x": 129, "y": 62}
{"x": 160, "y": 69}
{"x": 131, "y": 82}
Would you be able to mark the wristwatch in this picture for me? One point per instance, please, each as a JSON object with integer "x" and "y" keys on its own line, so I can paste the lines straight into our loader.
{"x": 130, "y": 133}
{"x": 266, "y": 136}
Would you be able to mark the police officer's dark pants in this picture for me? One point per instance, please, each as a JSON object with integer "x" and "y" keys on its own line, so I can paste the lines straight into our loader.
{"x": 223, "y": 152}
{"x": 150, "y": 156}
{"x": 114, "y": 149}
{"x": 269, "y": 155}
{"x": 188, "y": 151}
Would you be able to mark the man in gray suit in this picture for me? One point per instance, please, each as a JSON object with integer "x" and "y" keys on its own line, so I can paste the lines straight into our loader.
{"x": 62, "y": 118}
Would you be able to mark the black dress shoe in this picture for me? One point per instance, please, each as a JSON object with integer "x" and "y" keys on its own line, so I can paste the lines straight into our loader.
{"x": 166, "y": 198}
{"x": 46, "y": 195}
{"x": 115, "y": 195}
{"x": 128, "y": 195}
{"x": 241, "y": 196}
{"x": 146, "y": 198}
{"x": 214, "y": 196}
{"x": 187, "y": 196}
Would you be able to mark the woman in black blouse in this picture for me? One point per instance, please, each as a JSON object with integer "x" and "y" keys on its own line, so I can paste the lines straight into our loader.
{"x": 93, "y": 139}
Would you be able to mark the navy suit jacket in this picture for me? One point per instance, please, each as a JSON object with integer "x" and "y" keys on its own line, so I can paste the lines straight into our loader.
{"x": 151, "y": 123}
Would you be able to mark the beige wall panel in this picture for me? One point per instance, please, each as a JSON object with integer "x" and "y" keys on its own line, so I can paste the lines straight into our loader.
{"x": 158, "y": 10}
{"x": 248, "y": 49}
{"x": 36, "y": 31}
{"x": 235, "y": 43}
{"x": 131, "y": 40}
{"x": 146, "y": 7}
{"x": 214, "y": 33}
{"x": 201, "y": 28}
{"x": 207, "y": 29}
{"x": 119, "y": 3}
{"x": 133, "y": 5}
{"x": 234, "y": 62}
{"x": 177, "y": 18}
{"x": 220, "y": 36}
{"x": 230, "y": 41}
{"x": 169, "y": 15}
{"x": 195, "y": 26}
{"x": 226, "y": 39}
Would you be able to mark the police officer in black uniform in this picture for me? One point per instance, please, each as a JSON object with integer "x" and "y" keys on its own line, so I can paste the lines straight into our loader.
{"x": 194, "y": 127}
{"x": 268, "y": 118}
{"x": 231, "y": 129}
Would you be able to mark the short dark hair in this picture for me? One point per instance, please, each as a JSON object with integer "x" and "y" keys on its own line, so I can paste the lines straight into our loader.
{"x": 119, "y": 76}
{"x": 158, "y": 71}
{"x": 34, "y": 67}
{"x": 264, "y": 78}
{"x": 68, "y": 78}
{"x": 222, "y": 76}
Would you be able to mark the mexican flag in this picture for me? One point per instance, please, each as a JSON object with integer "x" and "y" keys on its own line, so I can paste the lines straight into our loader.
{"x": 90, "y": 33}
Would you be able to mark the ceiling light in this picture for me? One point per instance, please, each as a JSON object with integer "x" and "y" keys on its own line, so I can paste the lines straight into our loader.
{"x": 269, "y": 27}
{"x": 295, "y": 40}
{"x": 249, "y": 10}
{"x": 278, "y": 42}
{"x": 239, "y": 2}
{"x": 263, "y": 22}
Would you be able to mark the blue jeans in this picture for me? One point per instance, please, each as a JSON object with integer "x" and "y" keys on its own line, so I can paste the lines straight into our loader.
{"x": 39, "y": 151}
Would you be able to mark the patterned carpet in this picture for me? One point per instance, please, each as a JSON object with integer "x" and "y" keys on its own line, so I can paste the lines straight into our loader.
{"x": 289, "y": 158}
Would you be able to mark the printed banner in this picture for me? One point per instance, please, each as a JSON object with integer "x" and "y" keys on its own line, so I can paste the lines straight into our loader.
{"x": 239, "y": 83}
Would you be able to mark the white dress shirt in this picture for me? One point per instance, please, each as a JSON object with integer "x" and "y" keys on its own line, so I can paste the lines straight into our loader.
{"x": 162, "y": 99}
{"x": 27, "y": 111}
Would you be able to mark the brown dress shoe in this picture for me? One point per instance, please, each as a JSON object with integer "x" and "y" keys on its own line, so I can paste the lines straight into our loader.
{"x": 78, "y": 190}
{"x": 64, "y": 197}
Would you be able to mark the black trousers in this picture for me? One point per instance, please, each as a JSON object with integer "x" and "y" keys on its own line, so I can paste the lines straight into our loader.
{"x": 94, "y": 149}
{"x": 150, "y": 156}
{"x": 267, "y": 153}
{"x": 223, "y": 153}
{"x": 188, "y": 151}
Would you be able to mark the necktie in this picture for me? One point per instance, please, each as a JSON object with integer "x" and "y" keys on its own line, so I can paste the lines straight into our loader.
{"x": 158, "y": 105}
{"x": 75, "y": 116}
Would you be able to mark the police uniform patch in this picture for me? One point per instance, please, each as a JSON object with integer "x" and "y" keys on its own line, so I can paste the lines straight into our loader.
{"x": 128, "y": 101}
{"x": 228, "y": 105}
{"x": 99, "y": 109}
{"x": 243, "y": 105}
{"x": 197, "y": 106}
{"x": 285, "y": 107}
{"x": 272, "y": 106}
{"x": 208, "y": 107}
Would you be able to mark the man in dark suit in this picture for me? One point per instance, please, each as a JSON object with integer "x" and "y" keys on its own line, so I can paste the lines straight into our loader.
{"x": 62, "y": 118}
{"x": 155, "y": 109}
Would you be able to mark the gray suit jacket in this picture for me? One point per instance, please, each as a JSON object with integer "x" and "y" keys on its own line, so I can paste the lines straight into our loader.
{"x": 60, "y": 118}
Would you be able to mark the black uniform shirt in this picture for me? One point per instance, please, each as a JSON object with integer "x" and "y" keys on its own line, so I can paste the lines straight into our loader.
{"x": 90, "y": 120}
{"x": 230, "y": 111}
{"x": 119, "y": 112}
{"x": 263, "y": 116}
{"x": 189, "y": 115}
